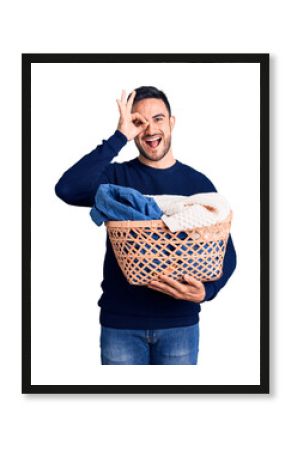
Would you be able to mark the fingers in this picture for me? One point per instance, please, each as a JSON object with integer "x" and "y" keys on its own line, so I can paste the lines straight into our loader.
{"x": 175, "y": 284}
{"x": 124, "y": 101}
{"x": 193, "y": 281}
{"x": 179, "y": 286}
{"x": 198, "y": 287}
{"x": 130, "y": 101}
{"x": 123, "y": 97}
{"x": 176, "y": 289}
{"x": 173, "y": 287}
{"x": 123, "y": 105}
{"x": 119, "y": 107}
{"x": 162, "y": 287}
{"x": 138, "y": 116}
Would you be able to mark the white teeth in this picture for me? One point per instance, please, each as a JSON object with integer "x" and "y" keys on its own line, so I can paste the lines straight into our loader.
{"x": 154, "y": 139}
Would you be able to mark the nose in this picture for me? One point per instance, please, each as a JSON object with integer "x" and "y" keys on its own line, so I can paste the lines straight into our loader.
{"x": 149, "y": 129}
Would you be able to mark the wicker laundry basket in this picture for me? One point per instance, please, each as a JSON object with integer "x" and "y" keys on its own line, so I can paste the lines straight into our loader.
{"x": 147, "y": 248}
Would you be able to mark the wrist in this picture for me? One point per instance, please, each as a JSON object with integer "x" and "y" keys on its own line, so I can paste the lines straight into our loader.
{"x": 210, "y": 291}
{"x": 116, "y": 141}
{"x": 123, "y": 133}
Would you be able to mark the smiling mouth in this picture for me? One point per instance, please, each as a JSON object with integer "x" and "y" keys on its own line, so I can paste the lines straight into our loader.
{"x": 153, "y": 143}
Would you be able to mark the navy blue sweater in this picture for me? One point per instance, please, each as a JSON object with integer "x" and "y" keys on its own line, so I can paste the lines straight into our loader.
{"x": 124, "y": 305}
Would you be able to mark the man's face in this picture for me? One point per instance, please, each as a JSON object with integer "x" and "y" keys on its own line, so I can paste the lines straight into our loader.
{"x": 155, "y": 141}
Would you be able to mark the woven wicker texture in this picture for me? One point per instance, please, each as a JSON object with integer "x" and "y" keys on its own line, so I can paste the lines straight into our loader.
{"x": 146, "y": 249}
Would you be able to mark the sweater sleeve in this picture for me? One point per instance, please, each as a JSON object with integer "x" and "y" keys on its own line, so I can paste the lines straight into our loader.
{"x": 230, "y": 259}
{"x": 78, "y": 185}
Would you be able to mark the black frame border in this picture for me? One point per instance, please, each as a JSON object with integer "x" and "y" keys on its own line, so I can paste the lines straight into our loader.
{"x": 261, "y": 58}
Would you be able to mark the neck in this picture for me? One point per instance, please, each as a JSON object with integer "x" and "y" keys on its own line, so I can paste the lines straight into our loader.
{"x": 164, "y": 163}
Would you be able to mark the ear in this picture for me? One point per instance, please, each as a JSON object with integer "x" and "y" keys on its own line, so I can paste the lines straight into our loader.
{"x": 172, "y": 121}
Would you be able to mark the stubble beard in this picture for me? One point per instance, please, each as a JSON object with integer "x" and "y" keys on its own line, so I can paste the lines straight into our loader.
{"x": 152, "y": 157}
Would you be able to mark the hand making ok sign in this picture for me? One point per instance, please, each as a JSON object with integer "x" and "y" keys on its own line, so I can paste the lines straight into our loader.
{"x": 130, "y": 124}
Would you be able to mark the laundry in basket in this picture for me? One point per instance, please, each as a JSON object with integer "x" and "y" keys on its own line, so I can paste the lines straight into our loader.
{"x": 186, "y": 235}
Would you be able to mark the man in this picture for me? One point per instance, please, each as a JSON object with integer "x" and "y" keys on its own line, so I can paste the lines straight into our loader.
{"x": 158, "y": 323}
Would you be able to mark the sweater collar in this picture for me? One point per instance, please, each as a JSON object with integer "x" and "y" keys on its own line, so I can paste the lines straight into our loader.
{"x": 156, "y": 169}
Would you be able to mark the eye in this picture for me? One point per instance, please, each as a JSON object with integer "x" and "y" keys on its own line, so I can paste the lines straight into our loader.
{"x": 158, "y": 118}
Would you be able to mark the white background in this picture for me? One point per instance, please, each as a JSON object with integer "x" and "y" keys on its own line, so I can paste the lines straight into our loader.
{"x": 217, "y": 131}
{"x": 88, "y": 421}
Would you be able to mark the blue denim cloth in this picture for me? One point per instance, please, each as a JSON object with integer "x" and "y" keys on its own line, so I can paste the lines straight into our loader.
{"x": 113, "y": 202}
{"x": 169, "y": 346}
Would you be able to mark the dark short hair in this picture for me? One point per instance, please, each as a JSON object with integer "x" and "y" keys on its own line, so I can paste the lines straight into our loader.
{"x": 150, "y": 92}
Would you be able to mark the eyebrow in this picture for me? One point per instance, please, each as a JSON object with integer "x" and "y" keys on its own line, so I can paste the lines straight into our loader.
{"x": 157, "y": 115}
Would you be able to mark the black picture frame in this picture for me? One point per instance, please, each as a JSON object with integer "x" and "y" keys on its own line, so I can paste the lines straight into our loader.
{"x": 260, "y": 58}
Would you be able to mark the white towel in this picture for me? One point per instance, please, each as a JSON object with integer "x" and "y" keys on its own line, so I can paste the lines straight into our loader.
{"x": 185, "y": 212}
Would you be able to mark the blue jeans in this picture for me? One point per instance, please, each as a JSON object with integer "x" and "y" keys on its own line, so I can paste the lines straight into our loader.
{"x": 164, "y": 346}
